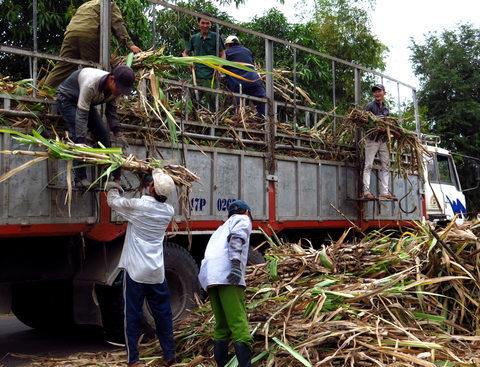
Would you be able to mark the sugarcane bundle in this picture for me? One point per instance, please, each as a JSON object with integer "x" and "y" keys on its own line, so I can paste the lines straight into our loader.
{"x": 156, "y": 60}
{"x": 145, "y": 59}
{"x": 108, "y": 159}
{"x": 409, "y": 152}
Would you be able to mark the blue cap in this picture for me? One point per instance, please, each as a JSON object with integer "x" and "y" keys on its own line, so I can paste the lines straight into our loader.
{"x": 238, "y": 204}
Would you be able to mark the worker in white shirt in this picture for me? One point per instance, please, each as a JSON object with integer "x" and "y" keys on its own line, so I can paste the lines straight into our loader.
{"x": 142, "y": 261}
{"x": 222, "y": 275}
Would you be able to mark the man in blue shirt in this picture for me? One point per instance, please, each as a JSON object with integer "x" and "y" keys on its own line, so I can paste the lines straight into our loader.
{"x": 377, "y": 143}
{"x": 201, "y": 44}
{"x": 255, "y": 88}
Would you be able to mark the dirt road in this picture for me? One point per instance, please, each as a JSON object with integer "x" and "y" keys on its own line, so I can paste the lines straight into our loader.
{"x": 16, "y": 338}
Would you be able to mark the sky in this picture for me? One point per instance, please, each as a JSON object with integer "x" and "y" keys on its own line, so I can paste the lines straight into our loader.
{"x": 394, "y": 22}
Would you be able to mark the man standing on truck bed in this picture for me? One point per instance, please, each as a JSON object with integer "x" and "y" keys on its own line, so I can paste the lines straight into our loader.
{"x": 204, "y": 43}
{"x": 142, "y": 261}
{"x": 82, "y": 39}
{"x": 255, "y": 88}
{"x": 222, "y": 275}
{"x": 77, "y": 97}
{"x": 377, "y": 143}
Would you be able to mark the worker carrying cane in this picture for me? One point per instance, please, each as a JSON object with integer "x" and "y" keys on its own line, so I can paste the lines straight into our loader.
{"x": 143, "y": 261}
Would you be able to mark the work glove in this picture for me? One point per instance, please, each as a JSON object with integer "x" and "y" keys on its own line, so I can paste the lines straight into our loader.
{"x": 112, "y": 185}
{"x": 121, "y": 141}
{"x": 235, "y": 273}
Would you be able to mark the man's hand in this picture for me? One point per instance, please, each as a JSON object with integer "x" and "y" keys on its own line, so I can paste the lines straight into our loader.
{"x": 135, "y": 49}
{"x": 111, "y": 185}
{"x": 235, "y": 273}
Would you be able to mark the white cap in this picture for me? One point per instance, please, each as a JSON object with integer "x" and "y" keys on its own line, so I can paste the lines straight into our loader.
{"x": 232, "y": 39}
{"x": 162, "y": 183}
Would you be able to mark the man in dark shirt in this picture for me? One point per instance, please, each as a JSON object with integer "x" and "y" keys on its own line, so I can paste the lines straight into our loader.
{"x": 77, "y": 97}
{"x": 201, "y": 44}
{"x": 255, "y": 88}
{"x": 377, "y": 143}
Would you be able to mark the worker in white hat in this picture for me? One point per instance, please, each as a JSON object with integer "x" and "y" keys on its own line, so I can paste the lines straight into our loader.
{"x": 253, "y": 87}
{"x": 142, "y": 261}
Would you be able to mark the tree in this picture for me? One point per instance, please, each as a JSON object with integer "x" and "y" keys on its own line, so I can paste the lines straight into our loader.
{"x": 16, "y": 28}
{"x": 448, "y": 67}
{"x": 343, "y": 30}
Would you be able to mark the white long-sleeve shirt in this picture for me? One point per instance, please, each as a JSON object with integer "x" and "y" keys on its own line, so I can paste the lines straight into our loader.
{"x": 142, "y": 254}
{"x": 230, "y": 241}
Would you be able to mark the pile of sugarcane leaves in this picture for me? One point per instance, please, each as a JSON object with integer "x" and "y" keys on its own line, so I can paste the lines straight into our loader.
{"x": 404, "y": 143}
{"x": 390, "y": 299}
{"x": 109, "y": 159}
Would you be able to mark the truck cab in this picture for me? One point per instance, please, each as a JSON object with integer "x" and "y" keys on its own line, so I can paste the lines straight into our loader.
{"x": 443, "y": 192}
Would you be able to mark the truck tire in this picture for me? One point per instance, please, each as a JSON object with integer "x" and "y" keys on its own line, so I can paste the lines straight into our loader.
{"x": 44, "y": 305}
{"x": 255, "y": 257}
{"x": 181, "y": 272}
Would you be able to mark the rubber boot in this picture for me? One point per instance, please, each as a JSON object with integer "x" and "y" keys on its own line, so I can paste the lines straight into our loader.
{"x": 220, "y": 352}
{"x": 244, "y": 355}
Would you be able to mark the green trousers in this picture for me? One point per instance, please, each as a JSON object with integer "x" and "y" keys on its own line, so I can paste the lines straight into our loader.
{"x": 228, "y": 305}
{"x": 209, "y": 97}
{"x": 75, "y": 47}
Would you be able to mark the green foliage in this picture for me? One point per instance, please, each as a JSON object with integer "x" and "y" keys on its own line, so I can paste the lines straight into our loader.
{"x": 136, "y": 14}
{"x": 408, "y": 118}
{"x": 448, "y": 68}
{"x": 342, "y": 28}
{"x": 16, "y": 28}
{"x": 174, "y": 30}
{"x": 273, "y": 23}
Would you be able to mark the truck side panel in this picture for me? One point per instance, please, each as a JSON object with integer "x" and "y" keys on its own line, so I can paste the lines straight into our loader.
{"x": 36, "y": 195}
{"x": 304, "y": 190}
{"x": 409, "y": 205}
{"x": 225, "y": 175}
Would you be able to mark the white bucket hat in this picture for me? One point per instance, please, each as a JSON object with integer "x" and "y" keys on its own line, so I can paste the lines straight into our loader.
{"x": 162, "y": 183}
{"x": 232, "y": 39}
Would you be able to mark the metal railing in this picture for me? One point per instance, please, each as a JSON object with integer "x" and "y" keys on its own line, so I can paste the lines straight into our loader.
{"x": 270, "y": 42}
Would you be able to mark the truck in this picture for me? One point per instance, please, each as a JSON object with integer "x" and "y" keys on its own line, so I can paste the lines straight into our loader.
{"x": 58, "y": 270}
{"x": 444, "y": 196}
